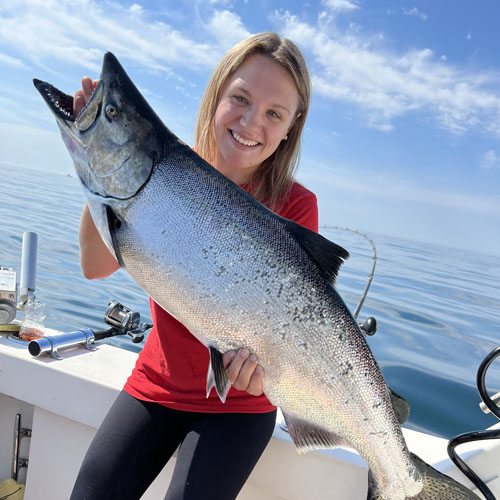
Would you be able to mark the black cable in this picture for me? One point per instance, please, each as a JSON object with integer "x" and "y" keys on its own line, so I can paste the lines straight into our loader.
{"x": 478, "y": 435}
{"x": 467, "y": 438}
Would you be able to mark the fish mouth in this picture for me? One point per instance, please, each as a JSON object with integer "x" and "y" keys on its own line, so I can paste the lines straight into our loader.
{"x": 61, "y": 105}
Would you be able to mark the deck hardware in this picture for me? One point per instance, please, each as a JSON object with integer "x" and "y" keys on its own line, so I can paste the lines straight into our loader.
{"x": 19, "y": 434}
{"x": 495, "y": 399}
{"x": 123, "y": 321}
{"x": 53, "y": 343}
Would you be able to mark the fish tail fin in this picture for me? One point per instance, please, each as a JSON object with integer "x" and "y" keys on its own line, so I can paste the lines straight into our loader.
{"x": 435, "y": 485}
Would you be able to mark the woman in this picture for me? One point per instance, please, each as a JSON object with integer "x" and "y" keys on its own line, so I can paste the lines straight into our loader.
{"x": 249, "y": 128}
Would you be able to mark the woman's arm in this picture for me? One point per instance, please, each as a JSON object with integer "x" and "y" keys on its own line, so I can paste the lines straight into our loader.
{"x": 96, "y": 260}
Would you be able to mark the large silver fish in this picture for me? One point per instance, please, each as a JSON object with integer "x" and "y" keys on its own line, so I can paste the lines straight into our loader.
{"x": 237, "y": 275}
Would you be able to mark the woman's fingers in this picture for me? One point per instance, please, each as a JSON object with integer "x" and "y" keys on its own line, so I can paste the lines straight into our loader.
{"x": 78, "y": 102}
{"x": 256, "y": 383}
{"x": 83, "y": 95}
{"x": 244, "y": 372}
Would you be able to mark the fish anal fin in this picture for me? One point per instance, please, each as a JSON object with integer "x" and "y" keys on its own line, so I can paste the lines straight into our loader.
{"x": 307, "y": 436}
{"x": 328, "y": 255}
{"x": 216, "y": 376}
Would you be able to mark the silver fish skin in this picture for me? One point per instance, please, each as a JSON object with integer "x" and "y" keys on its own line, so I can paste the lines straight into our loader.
{"x": 237, "y": 275}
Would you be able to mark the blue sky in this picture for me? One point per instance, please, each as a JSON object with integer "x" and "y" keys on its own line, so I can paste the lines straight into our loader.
{"x": 403, "y": 136}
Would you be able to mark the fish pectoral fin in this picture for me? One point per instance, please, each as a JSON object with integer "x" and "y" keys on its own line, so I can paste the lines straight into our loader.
{"x": 307, "y": 436}
{"x": 328, "y": 255}
{"x": 401, "y": 406}
{"x": 216, "y": 376}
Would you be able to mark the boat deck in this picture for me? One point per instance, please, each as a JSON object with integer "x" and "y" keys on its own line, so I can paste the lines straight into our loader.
{"x": 63, "y": 402}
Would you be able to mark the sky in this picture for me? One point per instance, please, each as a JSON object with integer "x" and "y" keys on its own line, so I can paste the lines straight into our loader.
{"x": 403, "y": 135}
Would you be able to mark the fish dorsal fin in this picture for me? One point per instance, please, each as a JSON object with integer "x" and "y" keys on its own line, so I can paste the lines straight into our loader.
{"x": 328, "y": 255}
{"x": 401, "y": 406}
{"x": 307, "y": 436}
{"x": 216, "y": 376}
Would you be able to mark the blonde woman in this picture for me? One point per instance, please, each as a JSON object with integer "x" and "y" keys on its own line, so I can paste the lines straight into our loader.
{"x": 249, "y": 128}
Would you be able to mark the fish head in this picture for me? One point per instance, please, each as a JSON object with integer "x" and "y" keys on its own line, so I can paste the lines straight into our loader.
{"x": 116, "y": 139}
{"x": 115, "y": 142}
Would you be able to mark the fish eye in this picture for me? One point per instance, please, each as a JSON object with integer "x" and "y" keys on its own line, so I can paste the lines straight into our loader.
{"x": 111, "y": 110}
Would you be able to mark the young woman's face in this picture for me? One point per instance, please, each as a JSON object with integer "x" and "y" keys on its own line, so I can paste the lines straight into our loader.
{"x": 255, "y": 112}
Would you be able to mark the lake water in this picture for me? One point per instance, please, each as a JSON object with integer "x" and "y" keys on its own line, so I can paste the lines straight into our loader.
{"x": 438, "y": 309}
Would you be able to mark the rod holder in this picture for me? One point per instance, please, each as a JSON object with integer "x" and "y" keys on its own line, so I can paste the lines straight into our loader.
{"x": 28, "y": 266}
{"x": 51, "y": 345}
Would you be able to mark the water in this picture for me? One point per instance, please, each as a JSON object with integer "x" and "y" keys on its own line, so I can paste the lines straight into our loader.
{"x": 438, "y": 309}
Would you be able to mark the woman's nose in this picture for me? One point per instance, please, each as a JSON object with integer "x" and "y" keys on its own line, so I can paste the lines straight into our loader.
{"x": 250, "y": 118}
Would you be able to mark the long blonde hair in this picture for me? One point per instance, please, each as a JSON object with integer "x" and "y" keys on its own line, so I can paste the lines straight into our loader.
{"x": 274, "y": 177}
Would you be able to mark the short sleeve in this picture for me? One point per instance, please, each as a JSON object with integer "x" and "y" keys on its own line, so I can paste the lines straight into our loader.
{"x": 301, "y": 206}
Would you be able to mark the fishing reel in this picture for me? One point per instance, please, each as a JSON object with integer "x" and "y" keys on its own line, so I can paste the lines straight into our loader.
{"x": 124, "y": 321}
{"x": 369, "y": 327}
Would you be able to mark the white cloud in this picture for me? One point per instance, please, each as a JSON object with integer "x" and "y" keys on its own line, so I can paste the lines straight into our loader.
{"x": 340, "y": 5}
{"x": 227, "y": 28}
{"x": 490, "y": 159}
{"x": 414, "y": 12}
{"x": 12, "y": 61}
{"x": 136, "y": 8}
{"x": 385, "y": 85}
{"x": 78, "y": 33}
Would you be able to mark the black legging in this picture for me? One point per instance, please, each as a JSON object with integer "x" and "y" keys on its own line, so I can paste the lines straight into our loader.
{"x": 136, "y": 439}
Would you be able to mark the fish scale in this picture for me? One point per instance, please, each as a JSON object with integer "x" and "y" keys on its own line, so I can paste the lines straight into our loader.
{"x": 188, "y": 256}
{"x": 237, "y": 275}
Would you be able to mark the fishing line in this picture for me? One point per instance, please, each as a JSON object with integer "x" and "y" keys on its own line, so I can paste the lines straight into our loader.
{"x": 478, "y": 435}
{"x": 372, "y": 272}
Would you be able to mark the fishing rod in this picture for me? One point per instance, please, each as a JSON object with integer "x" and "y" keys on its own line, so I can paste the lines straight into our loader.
{"x": 489, "y": 405}
{"x": 369, "y": 327}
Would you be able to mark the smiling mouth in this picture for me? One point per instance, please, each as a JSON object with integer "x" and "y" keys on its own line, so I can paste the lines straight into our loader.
{"x": 240, "y": 139}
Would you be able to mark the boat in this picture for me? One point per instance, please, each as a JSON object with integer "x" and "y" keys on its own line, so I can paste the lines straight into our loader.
{"x": 54, "y": 396}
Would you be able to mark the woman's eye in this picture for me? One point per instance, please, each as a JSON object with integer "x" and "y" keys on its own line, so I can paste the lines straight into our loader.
{"x": 274, "y": 114}
{"x": 240, "y": 98}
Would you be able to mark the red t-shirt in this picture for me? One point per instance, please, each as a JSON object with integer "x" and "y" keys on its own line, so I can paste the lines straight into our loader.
{"x": 172, "y": 368}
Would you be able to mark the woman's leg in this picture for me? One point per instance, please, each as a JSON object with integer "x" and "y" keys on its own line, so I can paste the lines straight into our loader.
{"x": 218, "y": 454}
{"x": 131, "y": 447}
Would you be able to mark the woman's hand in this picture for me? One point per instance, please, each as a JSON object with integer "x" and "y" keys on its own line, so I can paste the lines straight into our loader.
{"x": 244, "y": 372}
{"x": 82, "y": 96}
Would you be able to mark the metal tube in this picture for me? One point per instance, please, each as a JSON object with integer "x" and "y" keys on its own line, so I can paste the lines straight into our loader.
{"x": 495, "y": 399}
{"x": 28, "y": 266}
{"x": 51, "y": 345}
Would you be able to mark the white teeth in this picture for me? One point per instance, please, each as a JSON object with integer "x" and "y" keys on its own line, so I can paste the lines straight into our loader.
{"x": 243, "y": 141}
